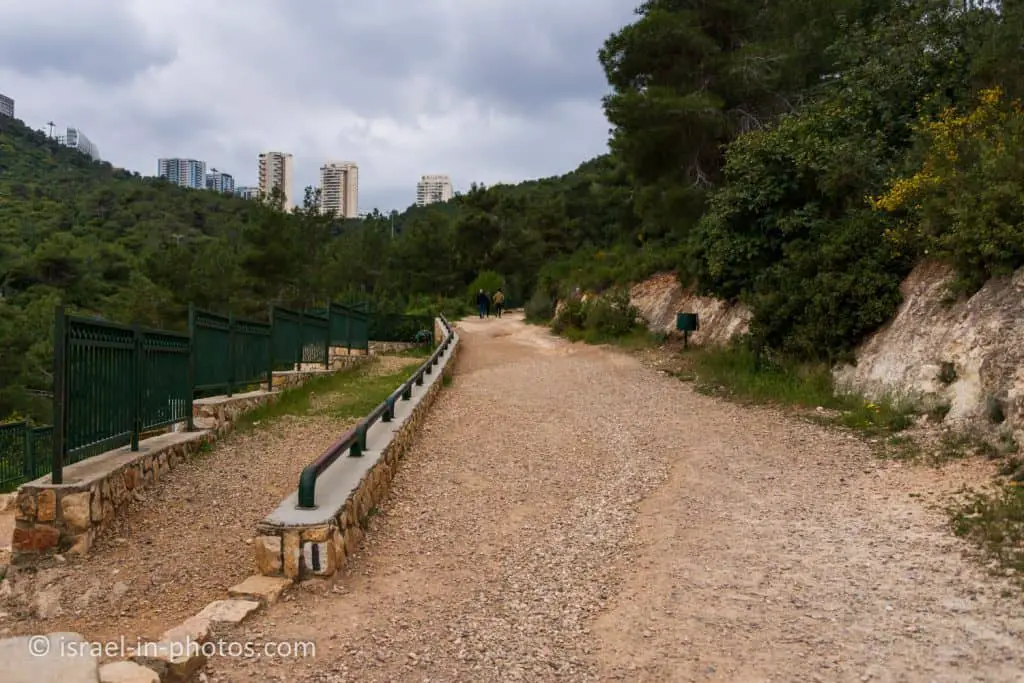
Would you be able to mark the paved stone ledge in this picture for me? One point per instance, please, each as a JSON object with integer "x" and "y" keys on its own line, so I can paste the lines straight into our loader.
{"x": 68, "y": 517}
{"x": 296, "y": 544}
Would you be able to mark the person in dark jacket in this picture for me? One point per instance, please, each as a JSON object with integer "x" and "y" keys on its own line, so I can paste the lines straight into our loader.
{"x": 483, "y": 303}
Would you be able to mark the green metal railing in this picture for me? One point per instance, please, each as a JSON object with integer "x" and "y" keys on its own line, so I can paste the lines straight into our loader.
{"x": 112, "y": 383}
{"x": 228, "y": 353}
{"x": 353, "y": 442}
{"x": 25, "y": 453}
{"x": 400, "y": 328}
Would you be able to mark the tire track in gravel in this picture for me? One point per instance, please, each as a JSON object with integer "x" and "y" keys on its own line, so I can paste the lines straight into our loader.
{"x": 568, "y": 514}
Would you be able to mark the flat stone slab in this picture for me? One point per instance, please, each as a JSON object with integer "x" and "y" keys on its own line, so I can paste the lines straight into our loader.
{"x": 127, "y": 672}
{"x": 228, "y": 611}
{"x": 173, "y": 662}
{"x": 266, "y": 589}
{"x": 64, "y": 657}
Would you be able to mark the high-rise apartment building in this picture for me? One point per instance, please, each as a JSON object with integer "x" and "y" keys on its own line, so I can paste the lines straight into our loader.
{"x": 247, "y": 192}
{"x": 6, "y": 106}
{"x": 75, "y": 139}
{"x": 339, "y": 189}
{"x": 432, "y": 189}
{"x": 183, "y": 172}
{"x": 276, "y": 171}
{"x": 218, "y": 181}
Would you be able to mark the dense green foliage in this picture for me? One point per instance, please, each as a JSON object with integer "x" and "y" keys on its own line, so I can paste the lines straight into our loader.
{"x": 748, "y": 142}
{"x": 761, "y": 186}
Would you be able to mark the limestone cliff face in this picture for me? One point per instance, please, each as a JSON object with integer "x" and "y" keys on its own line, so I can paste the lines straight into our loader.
{"x": 660, "y": 297}
{"x": 967, "y": 354}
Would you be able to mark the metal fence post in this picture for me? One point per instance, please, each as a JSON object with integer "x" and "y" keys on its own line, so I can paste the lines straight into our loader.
{"x": 191, "y": 364}
{"x": 138, "y": 389}
{"x": 302, "y": 338}
{"x": 270, "y": 353}
{"x": 232, "y": 375}
{"x": 60, "y": 410}
{"x": 28, "y": 466}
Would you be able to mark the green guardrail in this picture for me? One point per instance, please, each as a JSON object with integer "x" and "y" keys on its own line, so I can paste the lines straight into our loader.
{"x": 353, "y": 442}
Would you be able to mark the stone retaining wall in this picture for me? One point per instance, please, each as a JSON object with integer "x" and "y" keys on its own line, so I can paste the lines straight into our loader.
{"x": 67, "y": 518}
{"x": 283, "y": 551}
{"x": 394, "y": 347}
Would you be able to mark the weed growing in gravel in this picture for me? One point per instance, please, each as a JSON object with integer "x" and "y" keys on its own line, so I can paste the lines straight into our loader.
{"x": 993, "y": 521}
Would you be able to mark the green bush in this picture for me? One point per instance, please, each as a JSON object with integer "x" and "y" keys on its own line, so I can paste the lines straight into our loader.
{"x": 610, "y": 316}
{"x": 540, "y": 307}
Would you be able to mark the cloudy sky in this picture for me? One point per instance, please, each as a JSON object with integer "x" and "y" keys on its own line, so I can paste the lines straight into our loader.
{"x": 483, "y": 90}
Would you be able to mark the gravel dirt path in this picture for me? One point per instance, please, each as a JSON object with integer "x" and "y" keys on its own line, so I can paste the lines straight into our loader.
{"x": 570, "y": 514}
{"x": 185, "y": 543}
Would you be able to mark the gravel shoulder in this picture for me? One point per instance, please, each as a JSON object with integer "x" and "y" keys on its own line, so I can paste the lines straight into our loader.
{"x": 569, "y": 514}
{"x": 184, "y": 543}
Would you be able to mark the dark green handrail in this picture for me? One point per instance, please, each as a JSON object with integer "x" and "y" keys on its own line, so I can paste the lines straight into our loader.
{"x": 354, "y": 441}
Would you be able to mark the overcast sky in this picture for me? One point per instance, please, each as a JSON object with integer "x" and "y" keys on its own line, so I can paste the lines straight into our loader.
{"x": 484, "y": 90}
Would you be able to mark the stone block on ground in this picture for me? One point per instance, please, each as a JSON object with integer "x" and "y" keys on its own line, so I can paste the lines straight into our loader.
{"x": 193, "y": 630}
{"x": 265, "y": 589}
{"x": 127, "y": 672}
{"x": 228, "y": 611}
{"x": 64, "y": 657}
{"x": 173, "y": 661}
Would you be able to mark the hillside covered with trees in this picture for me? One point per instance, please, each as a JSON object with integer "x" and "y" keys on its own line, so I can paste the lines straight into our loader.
{"x": 798, "y": 156}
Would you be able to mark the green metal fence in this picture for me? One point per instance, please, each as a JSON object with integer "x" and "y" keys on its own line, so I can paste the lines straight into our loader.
{"x": 348, "y": 326}
{"x": 400, "y": 328}
{"x": 25, "y": 453}
{"x": 227, "y": 353}
{"x": 112, "y": 383}
{"x": 316, "y": 337}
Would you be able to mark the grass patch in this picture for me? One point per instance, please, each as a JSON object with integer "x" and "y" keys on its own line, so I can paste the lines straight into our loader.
{"x": 353, "y": 393}
{"x": 415, "y": 352}
{"x": 638, "y": 338}
{"x": 358, "y": 397}
{"x": 738, "y": 373}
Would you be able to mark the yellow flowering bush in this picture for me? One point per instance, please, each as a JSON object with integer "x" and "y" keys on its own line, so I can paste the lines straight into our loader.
{"x": 965, "y": 202}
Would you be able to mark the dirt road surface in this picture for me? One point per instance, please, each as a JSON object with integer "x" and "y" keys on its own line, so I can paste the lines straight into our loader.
{"x": 569, "y": 514}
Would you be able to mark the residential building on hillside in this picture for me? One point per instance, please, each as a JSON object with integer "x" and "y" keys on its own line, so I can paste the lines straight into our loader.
{"x": 276, "y": 171}
{"x": 184, "y": 172}
{"x": 75, "y": 139}
{"x": 432, "y": 189}
{"x": 6, "y": 106}
{"x": 218, "y": 181}
{"x": 248, "y": 192}
{"x": 339, "y": 189}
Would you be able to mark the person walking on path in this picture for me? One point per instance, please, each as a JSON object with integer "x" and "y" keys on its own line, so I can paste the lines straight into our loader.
{"x": 499, "y": 301}
{"x": 483, "y": 303}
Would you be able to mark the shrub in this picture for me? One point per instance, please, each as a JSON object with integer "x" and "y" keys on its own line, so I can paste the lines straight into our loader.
{"x": 540, "y": 307}
{"x": 611, "y": 315}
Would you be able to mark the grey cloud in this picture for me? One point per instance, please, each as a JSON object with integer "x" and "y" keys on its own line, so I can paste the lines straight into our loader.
{"x": 99, "y": 42}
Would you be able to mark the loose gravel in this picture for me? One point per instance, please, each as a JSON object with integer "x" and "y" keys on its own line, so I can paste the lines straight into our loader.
{"x": 568, "y": 514}
{"x": 184, "y": 543}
